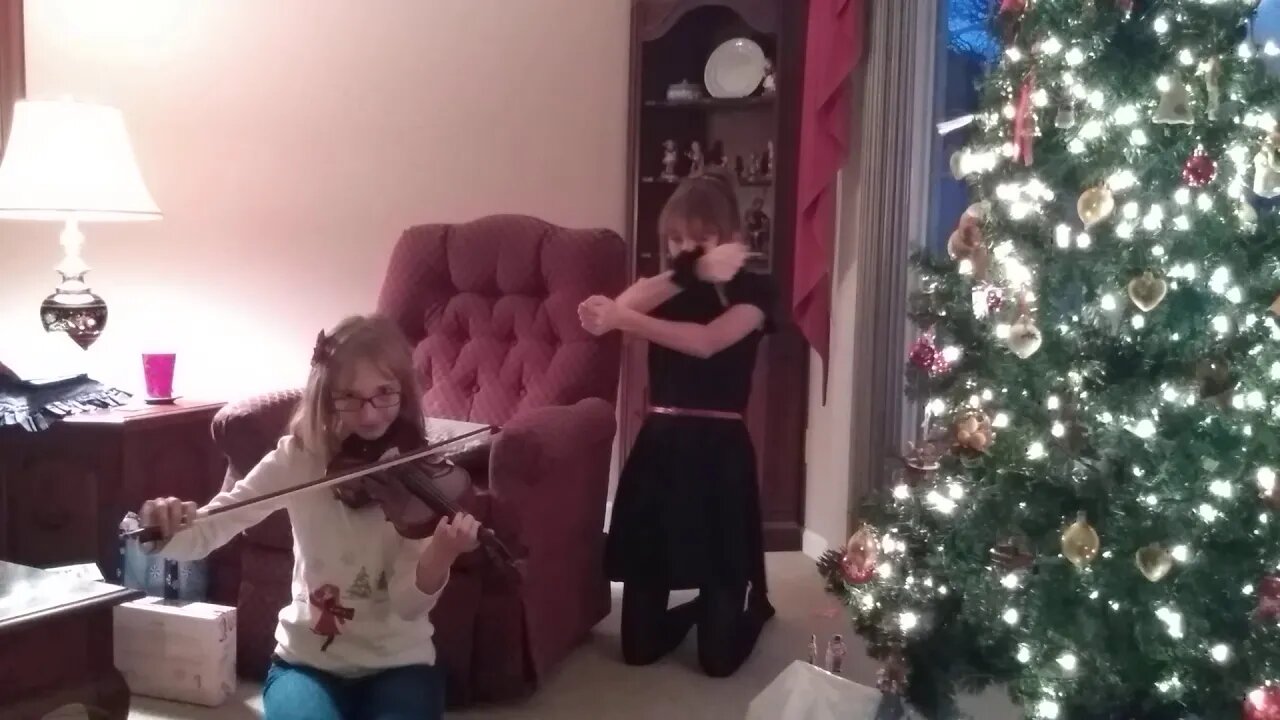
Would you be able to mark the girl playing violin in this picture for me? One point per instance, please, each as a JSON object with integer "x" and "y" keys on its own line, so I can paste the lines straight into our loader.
{"x": 687, "y": 510}
{"x": 356, "y": 641}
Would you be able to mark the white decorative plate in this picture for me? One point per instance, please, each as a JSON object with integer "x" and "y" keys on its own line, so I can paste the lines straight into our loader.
{"x": 735, "y": 69}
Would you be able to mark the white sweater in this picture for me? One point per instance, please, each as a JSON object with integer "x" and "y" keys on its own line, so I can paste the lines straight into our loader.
{"x": 356, "y": 606}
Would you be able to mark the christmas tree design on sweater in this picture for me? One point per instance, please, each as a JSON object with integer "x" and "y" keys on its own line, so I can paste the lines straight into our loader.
{"x": 360, "y": 588}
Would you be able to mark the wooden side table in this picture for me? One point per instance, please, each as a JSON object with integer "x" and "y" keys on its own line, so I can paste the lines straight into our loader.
{"x": 58, "y": 640}
{"x": 63, "y": 491}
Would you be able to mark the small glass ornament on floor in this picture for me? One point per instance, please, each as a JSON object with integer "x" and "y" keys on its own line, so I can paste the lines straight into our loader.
{"x": 836, "y": 650}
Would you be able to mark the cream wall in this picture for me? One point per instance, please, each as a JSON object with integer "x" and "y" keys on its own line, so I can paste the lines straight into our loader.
{"x": 289, "y": 142}
{"x": 827, "y": 486}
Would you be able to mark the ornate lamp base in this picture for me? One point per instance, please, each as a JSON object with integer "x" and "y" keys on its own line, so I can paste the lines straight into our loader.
{"x": 81, "y": 315}
{"x": 73, "y": 308}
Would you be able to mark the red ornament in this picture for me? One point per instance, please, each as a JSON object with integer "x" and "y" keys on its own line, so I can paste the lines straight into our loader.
{"x": 1262, "y": 703}
{"x": 1200, "y": 169}
{"x": 1268, "y": 598}
{"x": 924, "y": 354}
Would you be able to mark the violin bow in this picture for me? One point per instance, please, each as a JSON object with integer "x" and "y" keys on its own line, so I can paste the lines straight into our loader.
{"x": 150, "y": 533}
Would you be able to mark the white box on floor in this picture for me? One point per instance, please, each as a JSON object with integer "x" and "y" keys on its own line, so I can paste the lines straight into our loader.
{"x": 175, "y": 650}
{"x": 805, "y": 692}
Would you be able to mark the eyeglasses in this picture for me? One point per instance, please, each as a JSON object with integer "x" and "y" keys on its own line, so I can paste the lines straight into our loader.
{"x": 349, "y": 403}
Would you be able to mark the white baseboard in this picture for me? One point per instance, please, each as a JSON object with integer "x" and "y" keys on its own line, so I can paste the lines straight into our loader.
{"x": 813, "y": 544}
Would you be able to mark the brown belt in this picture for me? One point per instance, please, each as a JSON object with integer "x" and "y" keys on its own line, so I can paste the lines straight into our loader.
{"x": 689, "y": 412}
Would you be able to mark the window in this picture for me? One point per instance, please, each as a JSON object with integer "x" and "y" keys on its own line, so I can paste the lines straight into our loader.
{"x": 1266, "y": 27}
{"x": 971, "y": 47}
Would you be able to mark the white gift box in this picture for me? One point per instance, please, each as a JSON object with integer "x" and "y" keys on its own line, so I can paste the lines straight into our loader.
{"x": 174, "y": 650}
{"x": 806, "y": 692}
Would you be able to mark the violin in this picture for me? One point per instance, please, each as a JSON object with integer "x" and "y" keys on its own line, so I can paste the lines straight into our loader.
{"x": 442, "y": 489}
{"x": 416, "y": 468}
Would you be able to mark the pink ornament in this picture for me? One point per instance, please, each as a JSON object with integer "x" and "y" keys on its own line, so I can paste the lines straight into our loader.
{"x": 1200, "y": 169}
{"x": 1262, "y": 703}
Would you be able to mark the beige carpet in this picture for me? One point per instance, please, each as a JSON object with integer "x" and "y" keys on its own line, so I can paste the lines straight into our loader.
{"x": 593, "y": 683}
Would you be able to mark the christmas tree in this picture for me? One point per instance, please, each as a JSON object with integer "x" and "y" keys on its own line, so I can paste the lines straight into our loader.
{"x": 1090, "y": 519}
{"x": 360, "y": 586}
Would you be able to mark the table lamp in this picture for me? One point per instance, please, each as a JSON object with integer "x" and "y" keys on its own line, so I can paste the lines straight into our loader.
{"x": 71, "y": 162}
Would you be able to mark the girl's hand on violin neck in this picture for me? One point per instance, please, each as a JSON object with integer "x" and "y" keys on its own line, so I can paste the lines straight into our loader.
{"x": 456, "y": 536}
{"x": 599, "y": 315}
{"x": 169, "y": 514}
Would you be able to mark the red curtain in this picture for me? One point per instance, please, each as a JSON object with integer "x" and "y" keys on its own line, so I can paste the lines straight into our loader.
{"x": 835, "y": 42}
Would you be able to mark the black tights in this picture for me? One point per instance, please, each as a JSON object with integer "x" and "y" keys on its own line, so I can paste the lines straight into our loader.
{"x": 727, "y": 632}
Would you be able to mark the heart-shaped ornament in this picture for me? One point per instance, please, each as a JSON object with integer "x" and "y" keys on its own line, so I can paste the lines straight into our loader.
{"x": 1147, "y": 291}
{"x": 1024, "y": 338}
{"x": 1154, "y": 562}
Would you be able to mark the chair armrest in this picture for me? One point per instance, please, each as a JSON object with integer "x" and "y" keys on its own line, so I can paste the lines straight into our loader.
{"x": 246, "y": 430}
{"x": 549, "y": 474}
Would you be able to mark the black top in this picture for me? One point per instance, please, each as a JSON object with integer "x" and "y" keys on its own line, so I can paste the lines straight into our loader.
{"x": 723, "y": 381}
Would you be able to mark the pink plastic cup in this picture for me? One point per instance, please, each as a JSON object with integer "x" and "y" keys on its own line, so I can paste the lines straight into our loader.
{"x": 157, "y": 371}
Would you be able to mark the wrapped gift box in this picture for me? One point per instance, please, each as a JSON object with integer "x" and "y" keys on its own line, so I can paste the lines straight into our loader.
{"x": 175, "y": 650}
{"x": 806, "y": 692}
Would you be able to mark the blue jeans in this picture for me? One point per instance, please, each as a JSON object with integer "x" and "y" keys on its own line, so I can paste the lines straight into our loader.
{"x": 298, "y": 692}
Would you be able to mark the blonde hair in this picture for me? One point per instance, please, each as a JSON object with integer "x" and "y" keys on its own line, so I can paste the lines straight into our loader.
{"x": 706, "y": 204}
{"x": 373, "y": 338}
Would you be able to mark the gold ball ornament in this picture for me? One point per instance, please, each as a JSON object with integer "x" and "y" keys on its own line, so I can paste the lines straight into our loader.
{"x": 973, "y": 432}
{"x": 1154, "y": 562}
{"x": 1095, "y": 205}
{"x": 861, "y": 553}
{"x": 1024, "y": 338}
{"x": 1080, "y": 542}
{"x": 1147, "y": 291}
{"x": 968, "y": 241}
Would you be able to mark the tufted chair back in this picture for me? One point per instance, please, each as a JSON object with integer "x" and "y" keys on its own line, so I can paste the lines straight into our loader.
{"x": 490, "y": 308}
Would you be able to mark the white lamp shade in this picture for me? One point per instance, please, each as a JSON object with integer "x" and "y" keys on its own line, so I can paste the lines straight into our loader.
{"x": 70, "y": 160}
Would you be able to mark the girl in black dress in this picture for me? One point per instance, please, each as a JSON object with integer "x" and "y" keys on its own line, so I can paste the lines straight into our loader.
{"x": 687, "y": 510}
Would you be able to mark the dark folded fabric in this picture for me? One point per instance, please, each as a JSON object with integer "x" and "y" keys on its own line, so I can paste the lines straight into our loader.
{"x": 35, "y": 405}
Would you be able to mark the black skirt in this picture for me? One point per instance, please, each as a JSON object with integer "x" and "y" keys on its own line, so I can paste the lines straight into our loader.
{"x": 687, "y": 510}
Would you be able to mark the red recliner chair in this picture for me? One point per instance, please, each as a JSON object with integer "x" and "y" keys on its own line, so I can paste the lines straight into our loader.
{"x": 490, "y": 307}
